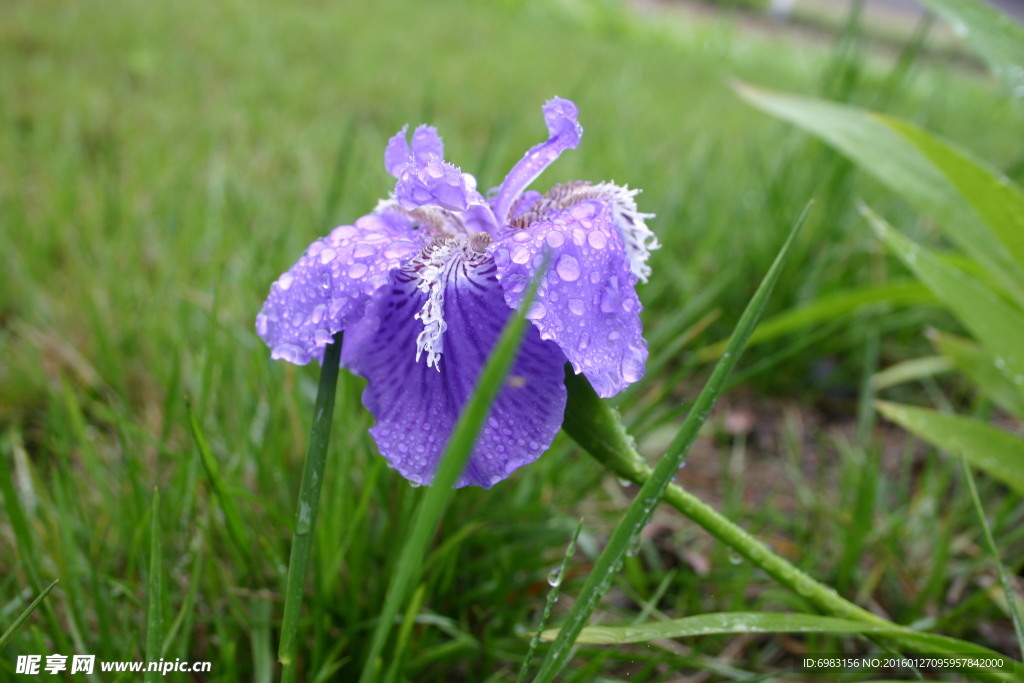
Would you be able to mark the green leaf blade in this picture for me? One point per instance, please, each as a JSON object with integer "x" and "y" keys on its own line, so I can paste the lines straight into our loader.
{"x": 993, "y": 451}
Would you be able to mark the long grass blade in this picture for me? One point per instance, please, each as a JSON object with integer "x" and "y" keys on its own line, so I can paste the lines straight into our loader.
{"x": 309, "y": 504}
{"x": 25, "y": 613}
{"x": 155, "y": 591}
{"x": 639, "y": 512}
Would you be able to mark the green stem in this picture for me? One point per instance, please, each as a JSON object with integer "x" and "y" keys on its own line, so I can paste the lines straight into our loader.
{"x": 309, "y": 503}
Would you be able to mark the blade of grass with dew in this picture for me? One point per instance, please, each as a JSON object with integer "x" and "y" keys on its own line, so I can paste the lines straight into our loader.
{"x": 25, "y": 613}
{"x": 555, "y": 581}
{"x": 155, "y": 591}
{"x": 972, "y": 360}
{"x": 995, "y": 36}
{"x": 883, "y": 152}
{"x": 609, "y": 443}
{"x": 997, "y": 453}
{"x": 995, "y": 323}
{"x": 308, "y": 505}
{"x": 235, "y": 527}
{"x": 723, "y": 622}
{"x": 453, "y": 460}
{"x": 1011, "y": 600}
{"x": 652, "y": 490}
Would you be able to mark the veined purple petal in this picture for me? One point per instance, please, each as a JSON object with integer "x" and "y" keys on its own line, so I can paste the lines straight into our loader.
{"x": 416, "y": 406}
{"x": 328, "y": 288}
{"x": 586, "y": 303}
{"x": 565, "y": 131}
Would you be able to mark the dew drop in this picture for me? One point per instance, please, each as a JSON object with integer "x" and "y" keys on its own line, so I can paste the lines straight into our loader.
{"x": 521, "y": 236}
{"x": 325, "y": 280}
{"x": 555, "y": 577}
{"x": 261, "y": 324}
{"x": 634, "y": 546}
{"x": 328, "y": 255}
{"x": 584, "y": 341}
{"x": 554, "y": 239}
{"x": 286, "y": 280}
{"x": 318, "y": 314}
{"x": 596, "y": 239}
{"x": 321, "y": 336}
{"x": 520, "y": 254}
{"x": 362, "y": 250}
{"x": 632, "y": 367}
{"x": 357, "y": 270}
{"x": 568, "y": 268}
{"x": 577, "y": 306}
{"x": 537, "y": 311}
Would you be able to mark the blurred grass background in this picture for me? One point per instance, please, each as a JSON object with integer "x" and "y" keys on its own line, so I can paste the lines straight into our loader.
{"x": 162, "y": 163}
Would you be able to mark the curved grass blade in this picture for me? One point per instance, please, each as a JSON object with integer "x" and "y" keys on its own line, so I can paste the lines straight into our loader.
{"x": 155, "y": 591}
{"x": 867, "y": 140}
{"x": 639, "y": 512}
{"x": 25, "y": 613}
{"x": 829, "y": 308}
{"x": 993, "y": 451}
{"x": 993, "y": 322}
{"x": 996, "y": 37}
{"x": 993, "y": 196}
{"x": 309, "y": 504}
{"x": 435, "y": 500}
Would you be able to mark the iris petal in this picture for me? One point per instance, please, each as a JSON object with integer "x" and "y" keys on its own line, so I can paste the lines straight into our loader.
{"x": 586, "y": 303}
{"x": 328, "y": 288}
{"x": 416, "y": 406}
{"x": 564, "y": 133}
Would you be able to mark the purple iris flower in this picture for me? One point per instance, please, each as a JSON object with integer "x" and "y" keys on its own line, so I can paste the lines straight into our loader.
{"x": 423, "y": 285}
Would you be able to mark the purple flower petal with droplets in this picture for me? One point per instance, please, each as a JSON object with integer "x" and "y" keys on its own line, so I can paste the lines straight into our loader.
{"x": 416, "y": 406}
{"x": 328, "y": 288}
{"x": 565, "y": 131}
{"x": 425, "y": 144}
{"x": 587, "y": 303}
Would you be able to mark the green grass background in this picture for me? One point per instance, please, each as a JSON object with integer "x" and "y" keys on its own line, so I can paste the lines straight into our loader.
{"x": 162, "y": 163}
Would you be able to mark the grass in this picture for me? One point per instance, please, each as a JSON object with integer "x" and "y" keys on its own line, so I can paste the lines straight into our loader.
{"x": 164, "y": 162}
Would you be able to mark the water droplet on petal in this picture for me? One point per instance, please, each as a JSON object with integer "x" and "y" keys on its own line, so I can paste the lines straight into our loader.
{"x": 362, "y": 250}
{"x": 568, "y": 268}
{"x": 632, "y": 366}
{"x": 318, "y": 314}
{"x": 261, "y": 324}
{"x": 522, "y": 236}
{"x": 537, "y": 311}
{"x": 357, "y": 270}
{"x": 286, "y": 280}
{"x": 321, "y": 336}
{"x": 596, "y": 239}
{"x": 328, "y": 255}
{"x": 577, "y": 306}
{"x": 584, "y": 342}
{"x": 554, "y": 239}
{"x": 520, "y": 254}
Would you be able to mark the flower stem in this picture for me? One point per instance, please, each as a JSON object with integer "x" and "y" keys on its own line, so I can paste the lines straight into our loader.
{"x": 309, "y": 503}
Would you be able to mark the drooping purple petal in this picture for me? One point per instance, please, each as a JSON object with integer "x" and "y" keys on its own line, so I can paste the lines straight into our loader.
{"x": 564, "y": 133}
{"x": 328, "y": 288}
{"x": 416, "y": 406}
{"x": 586, "y": 303}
